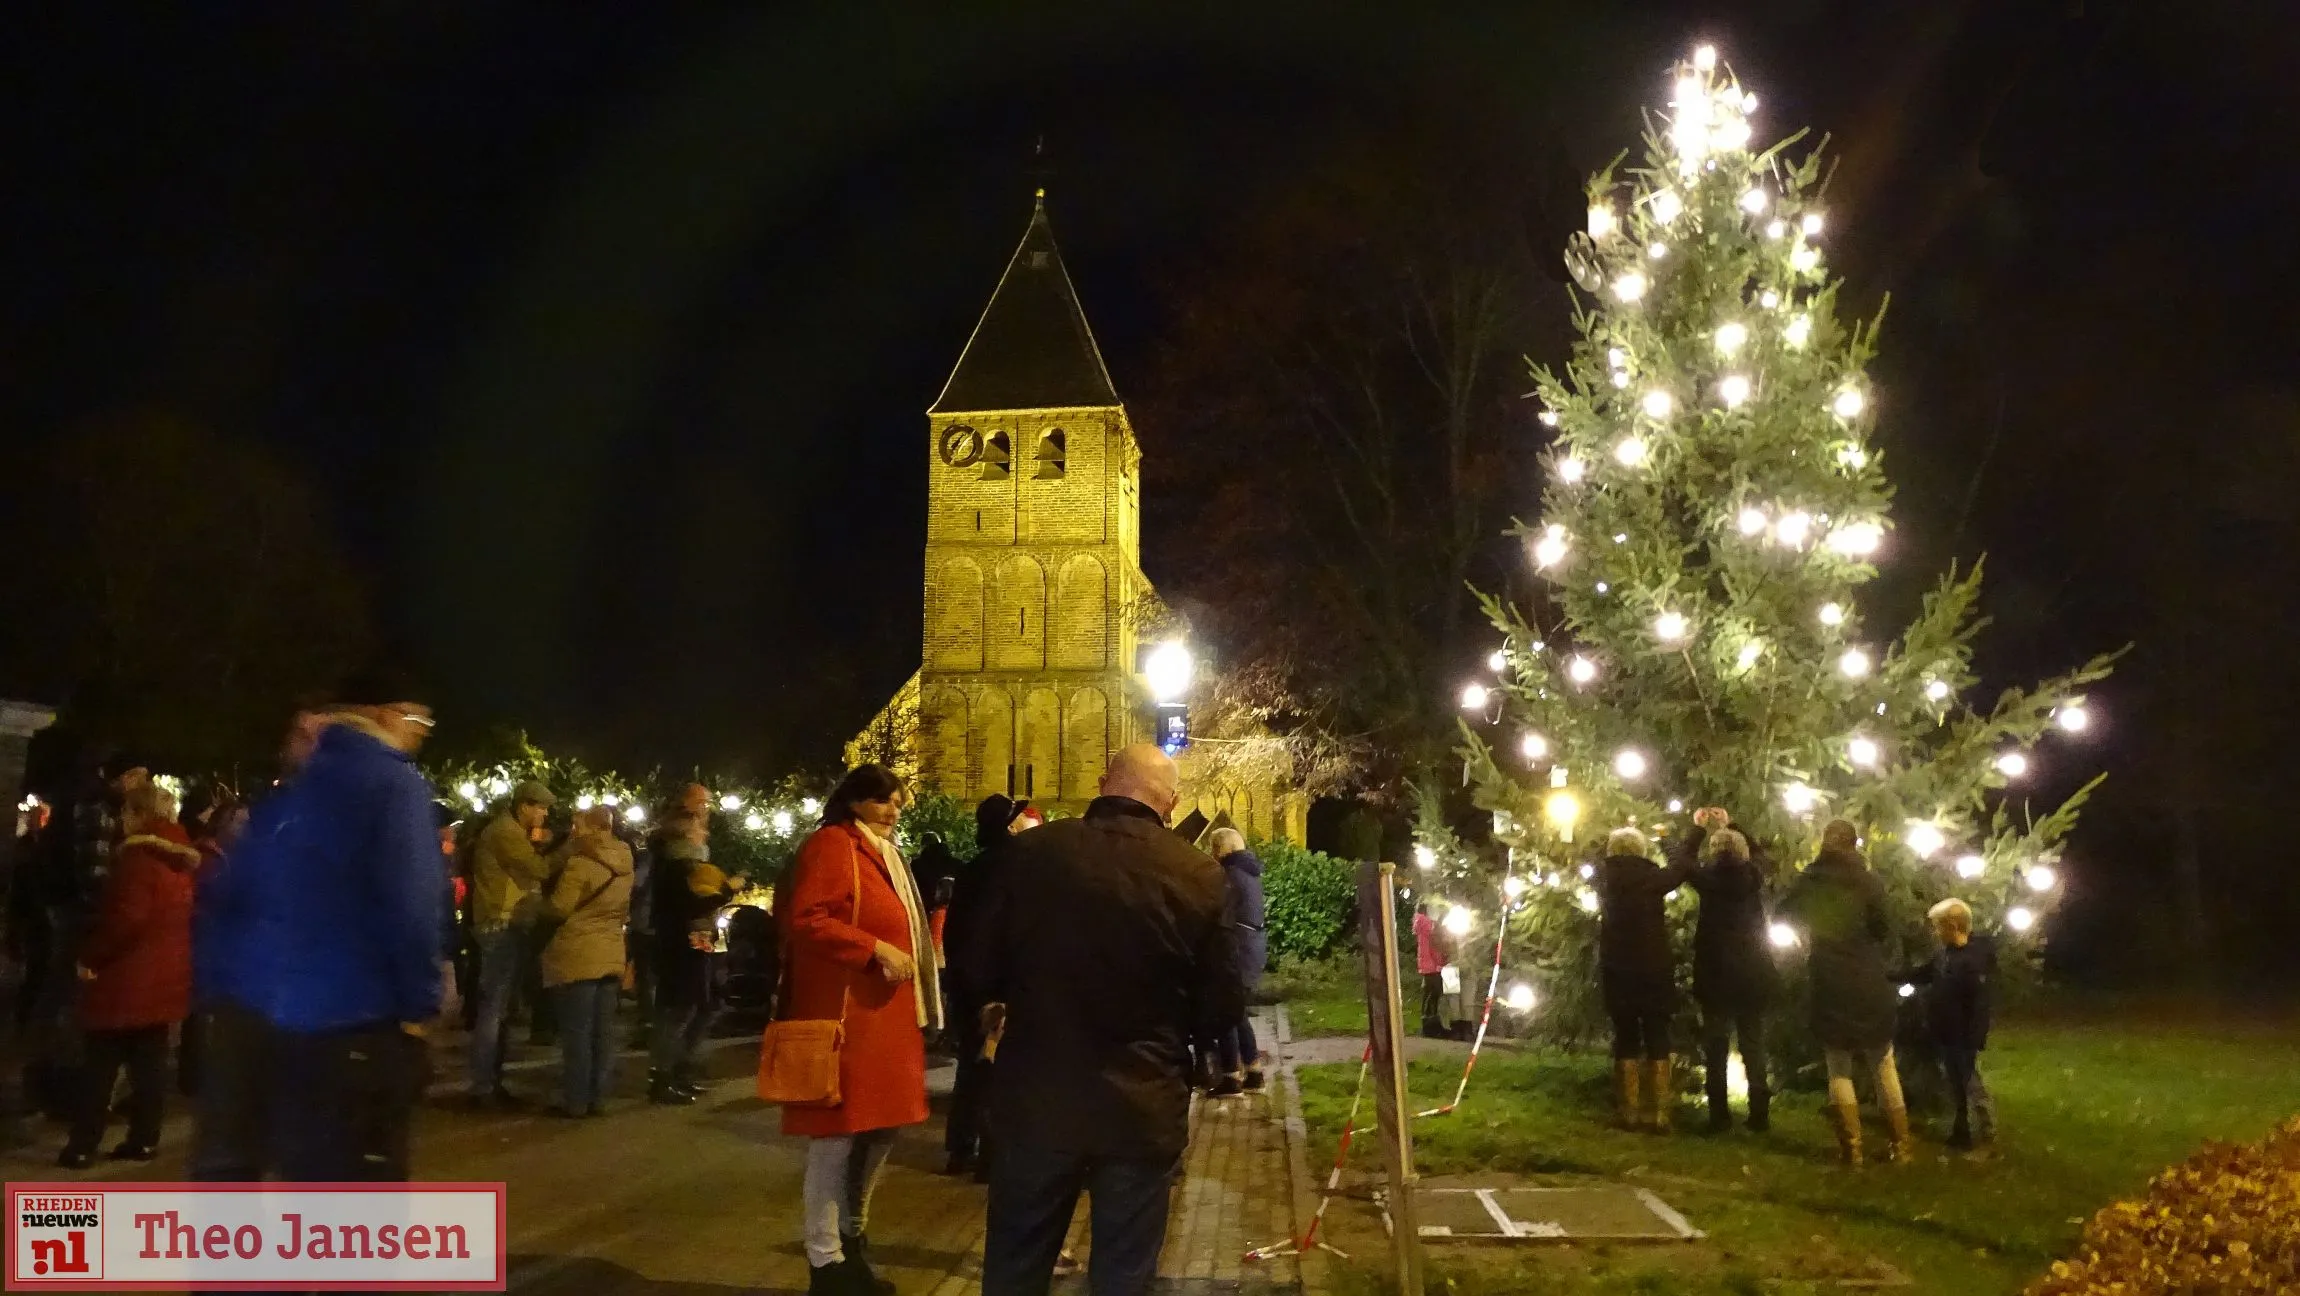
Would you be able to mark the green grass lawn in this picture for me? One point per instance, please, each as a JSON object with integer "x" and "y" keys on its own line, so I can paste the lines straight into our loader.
{"x": 2093, "y": 1103}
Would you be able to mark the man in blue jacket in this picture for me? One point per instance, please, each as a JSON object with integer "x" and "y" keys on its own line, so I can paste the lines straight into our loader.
{"x": 319, "y": 942}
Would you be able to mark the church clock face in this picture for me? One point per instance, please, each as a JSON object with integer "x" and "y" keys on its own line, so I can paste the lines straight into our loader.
{"x": 961, "y": 446}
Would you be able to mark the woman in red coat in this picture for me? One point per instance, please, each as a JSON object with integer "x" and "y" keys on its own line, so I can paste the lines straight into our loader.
{"x": 854, "y": 932}
{"x": 136, "y": 978}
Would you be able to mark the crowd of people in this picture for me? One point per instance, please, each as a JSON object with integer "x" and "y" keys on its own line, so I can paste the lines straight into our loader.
{"x": 1836, "y": 909}
{"x": 299, "y": 952}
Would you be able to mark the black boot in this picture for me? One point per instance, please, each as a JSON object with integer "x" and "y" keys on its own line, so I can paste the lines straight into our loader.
{"x": 831, "y": 1280}
{"x": 1715, "y": 1062}
{"x": 662, "y": 1092}
{"x": 865, "y": 1280}
{"x": 1760, "y": 1107}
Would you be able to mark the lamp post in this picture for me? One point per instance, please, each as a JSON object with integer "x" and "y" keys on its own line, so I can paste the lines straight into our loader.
{"x": 1169, "y": 670}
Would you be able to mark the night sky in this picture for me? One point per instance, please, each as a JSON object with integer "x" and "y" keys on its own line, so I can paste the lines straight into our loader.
{"x": 606, "y": 331}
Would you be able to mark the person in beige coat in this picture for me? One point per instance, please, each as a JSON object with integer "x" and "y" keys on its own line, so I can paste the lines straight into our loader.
{"x": 583, "y": 962}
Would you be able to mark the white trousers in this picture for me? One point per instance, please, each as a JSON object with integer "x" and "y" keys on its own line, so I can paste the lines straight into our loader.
{"x": 841, "y": 1172}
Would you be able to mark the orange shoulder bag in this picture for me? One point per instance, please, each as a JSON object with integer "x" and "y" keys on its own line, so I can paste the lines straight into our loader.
{"x": 799, "y": 1060}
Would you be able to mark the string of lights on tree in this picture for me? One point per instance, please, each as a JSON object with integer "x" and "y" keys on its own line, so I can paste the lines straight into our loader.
{"x": 1715, "y": 506}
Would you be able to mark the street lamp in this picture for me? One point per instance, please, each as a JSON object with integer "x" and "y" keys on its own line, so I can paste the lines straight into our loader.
{"x": 1169, "y": 670}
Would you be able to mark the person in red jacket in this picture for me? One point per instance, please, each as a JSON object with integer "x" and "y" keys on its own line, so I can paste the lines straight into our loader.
{"x": 136, "y": 978}
{"x": 857, "y": 949}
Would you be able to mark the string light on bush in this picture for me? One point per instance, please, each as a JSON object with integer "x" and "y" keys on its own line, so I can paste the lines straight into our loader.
{"x": 1459, "y": 920}
{"x": 1753, "y": 201}
{"x": 1513, "y": 886}
{"x": 1924, "y": 838}
{"x": 1794, "y": 528}
{"x": 636, "y": 813}
{"x": 1705, "y": 58}
{"x": 1534, "y": 748}
{"x": 810, "y": 807}
{"x": 468, "y": 790}
{"x": 1669, "y": 627}
{"x": 1548, "y": 418}
{"x": 1797, "y": 332}
{"x": 1752, "y": 521}
{"x": 1733, "y": 389}
{"x": 1805, "y": 260}
{"x": 1629, "y": 763}
{"x": 1521, "y": 998}
{"x": 1424, "y": 858}
{"x": 1475, "y": 696}
{"x": 2020, "y": 918}
{"x": 1587, "y": 899}
{"x": 1667, "y": 206}
{"x": 1908, "y": 991}
{"x": 2042, "y": 878}
{"x": 1769, "y": 299}
{"x": 1549, "y": 551}
{"x": 1853, "y": 457}
{"x": 1810, "y": 222}
{"x": 1657, "y": 250}
{"x": 783, "y": 823}
{"x": 2012, "y": 764}
{"x": 1616, "y": 358}
{"x": 1937, "y": 691}
{"x": 586, "y": 801}
{"x": 1857, "y": 539}
{"x": 1601, "y": 220}
{"x": 1854, "y": 664}
{"x": 1782, "y": 935}
{"x": 1571, "y": 471}
{"x": 1849, "y": 403}
{"x": 1832, "y": 614}
{"x": 1776, "y": 229}
{"x": 1581, "y": 670}
{"x": 1676, "y": 806}
{"x": 1800, "y": 798}
{"x": 1657, "y": 404}
{"x": 1561, "y": 809}
{"x": 1863, "y": 751}
{"x": 1629, "y": 287}
{"x": 1731, "y": 337}
{"x": 730, "y": 803}
{"x": 1732, "y": 133}
{"x": 754, "y": 822}
{"x": 1750, "y": 652}
{"x": 1630, "y": 452}
{"x": 1621, "y": 378}
{"x": 2073, "y": 718}
{"x": 1497, "y": 661}
{"x": 1971, "y": 866}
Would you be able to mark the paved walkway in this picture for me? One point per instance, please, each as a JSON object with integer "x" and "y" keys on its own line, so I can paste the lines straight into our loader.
{"x": 704, "y": 1200}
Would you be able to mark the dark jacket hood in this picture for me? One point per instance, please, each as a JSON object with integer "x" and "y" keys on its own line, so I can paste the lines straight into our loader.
{"x": 992, "y": 818}
{"x": 1245, "y": 861}
{"x": 1838, "y": 863}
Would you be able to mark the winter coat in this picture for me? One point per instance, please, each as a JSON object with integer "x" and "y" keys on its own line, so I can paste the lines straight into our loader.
{"x": 1432, "y": 951}
{"x": 591, "y": 901}
{"x": 507, "y": 876}
{"x": 1249, "y": 941}
{"x": 962, "y": 927}
{"x": 842, "y": 902}
{"x": 1105, "y": 938}
{"x": 1636, "y": 967}
{"x": 327, "y": 912}
{"x": 1732, "y": 956}
{"x": 1841, "y": 906}
{"x": 140, "y": 947}
{"x": 1957, "y": 985}
{"x": 688, "y": 892}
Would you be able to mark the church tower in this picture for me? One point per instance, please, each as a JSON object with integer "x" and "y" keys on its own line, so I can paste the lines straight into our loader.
{"x": 1033, "y": 550}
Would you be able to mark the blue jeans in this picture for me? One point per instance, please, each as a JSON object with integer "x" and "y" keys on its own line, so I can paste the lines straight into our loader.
{"x": 502, "y": 953}
{"x": 1033, "y": 1193}
{"x": 587, "y": 1042}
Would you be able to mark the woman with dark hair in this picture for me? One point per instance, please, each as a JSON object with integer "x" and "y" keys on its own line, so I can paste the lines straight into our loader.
{"x": 856, "y": 949}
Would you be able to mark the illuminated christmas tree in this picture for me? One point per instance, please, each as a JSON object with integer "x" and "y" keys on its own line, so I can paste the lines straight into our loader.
{"x": 1714, "y": 509}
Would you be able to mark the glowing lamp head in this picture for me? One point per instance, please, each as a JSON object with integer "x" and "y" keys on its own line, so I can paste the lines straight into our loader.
{"x": 1782, "y": 936}
{"x": 2042, "y": 878}
{"x": 1924, "y": 838}
{"x": 1475, "y": 696}
{"x": 2012, "y": 764}
{"x": 1971, "y": 866}
{"x": 1854, "y": 663}
{"x": 1863, "y": 752}
{"x": 2020, "y": 918}
{"x": 1424, "y": 858}
{"x": 1534, "y": 747}
{"x": 1459, "y": 921}
{"x": 1799, "y": 798}
{"x": 1669, "y": 627}
{"x": 1630, "y": 764}
{"x": 1657, "y": 404}
{"x": 1169, "y": 670}
{"x": 2073, "y": 718}
{"x": 1520, "y": 998}
{"x": 1629, "y": 287}
{"x": 1571, "y": 471}
{"x": 1581, "y": 670}
{"x": 1733, "y": 389}
{"x": 1849, "y": 403}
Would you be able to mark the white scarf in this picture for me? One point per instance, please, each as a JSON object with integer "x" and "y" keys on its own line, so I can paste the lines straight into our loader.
{"x": 926, "y": 984}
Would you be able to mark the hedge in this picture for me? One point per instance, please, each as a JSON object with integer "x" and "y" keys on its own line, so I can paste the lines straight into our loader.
{"x": 1310, "y": 897}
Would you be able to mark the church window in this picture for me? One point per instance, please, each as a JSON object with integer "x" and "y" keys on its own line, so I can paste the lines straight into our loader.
{"x": 997, "y": 457}
{"x": 1053, "y": 453}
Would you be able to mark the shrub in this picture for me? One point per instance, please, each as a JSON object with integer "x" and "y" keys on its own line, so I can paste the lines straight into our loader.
{"x": 2224, "y": 1221}
{"x": 1309, "y": 897}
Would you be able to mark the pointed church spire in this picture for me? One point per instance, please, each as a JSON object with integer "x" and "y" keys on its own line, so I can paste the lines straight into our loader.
{"x": 1032, "y": 348}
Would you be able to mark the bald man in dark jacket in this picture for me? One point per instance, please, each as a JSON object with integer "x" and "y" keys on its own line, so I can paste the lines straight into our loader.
{"x": 1105, "y": 938}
